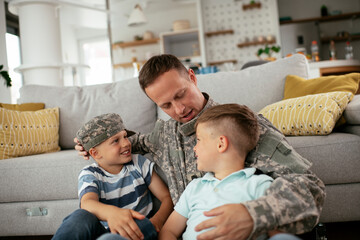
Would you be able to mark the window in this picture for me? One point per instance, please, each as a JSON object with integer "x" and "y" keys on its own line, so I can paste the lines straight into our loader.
{"x": 14, "y": 60}
{"x": 96, "y": 54}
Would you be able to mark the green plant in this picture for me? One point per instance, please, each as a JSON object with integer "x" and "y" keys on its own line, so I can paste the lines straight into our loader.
{"x": 268, "y": 50}
{"x": 4, "y": 74}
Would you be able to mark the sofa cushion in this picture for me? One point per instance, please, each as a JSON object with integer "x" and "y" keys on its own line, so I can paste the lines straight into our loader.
{"x": 56, "y": 173}
{"x": 79, "y": 104}
{"x": 255, "y": 87}
{"x": 25, "y": 133}
{"x": 23, "y": 107}
{"x": 335, "y": 157}
{"x": 352, "y": 111}
{"x": 309, "y": 115}
{"x": 296, "y": 86}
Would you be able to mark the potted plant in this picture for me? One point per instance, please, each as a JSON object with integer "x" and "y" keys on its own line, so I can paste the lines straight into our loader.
{"x": 5, "y": 75}
{"x": 268, "y": 51}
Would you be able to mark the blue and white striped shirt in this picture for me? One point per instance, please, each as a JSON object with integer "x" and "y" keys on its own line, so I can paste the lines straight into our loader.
{"x": 127, "y": 189}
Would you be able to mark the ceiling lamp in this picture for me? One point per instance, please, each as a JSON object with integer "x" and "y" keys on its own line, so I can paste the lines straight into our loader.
{"x": 137, "y": 16}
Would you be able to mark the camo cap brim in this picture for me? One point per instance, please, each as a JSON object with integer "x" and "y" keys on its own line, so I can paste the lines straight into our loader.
{"x": 99, "y": 129}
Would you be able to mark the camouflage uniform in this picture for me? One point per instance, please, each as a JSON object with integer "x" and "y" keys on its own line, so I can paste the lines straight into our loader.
{"x": 292, "y": 203}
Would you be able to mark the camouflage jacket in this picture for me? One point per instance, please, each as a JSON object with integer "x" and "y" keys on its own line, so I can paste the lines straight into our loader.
{"x": 292, "y": 203}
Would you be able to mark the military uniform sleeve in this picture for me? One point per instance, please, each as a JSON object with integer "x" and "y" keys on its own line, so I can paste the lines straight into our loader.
{"x": 294, "y": 200}
{"x": 148, "y": 143}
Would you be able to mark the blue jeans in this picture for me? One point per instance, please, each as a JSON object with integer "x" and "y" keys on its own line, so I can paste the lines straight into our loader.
{"x": 284, "y": 236}
{"x": 82, "y": 224}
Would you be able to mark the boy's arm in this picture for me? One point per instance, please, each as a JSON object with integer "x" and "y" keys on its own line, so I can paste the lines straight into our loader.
{"x": 161, "y": 192}
{"x": 174, "y": 227}
{"x": 120, "y": 221}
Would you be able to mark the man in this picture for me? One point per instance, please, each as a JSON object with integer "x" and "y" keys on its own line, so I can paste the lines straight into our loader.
{"x": 292, "y": 203}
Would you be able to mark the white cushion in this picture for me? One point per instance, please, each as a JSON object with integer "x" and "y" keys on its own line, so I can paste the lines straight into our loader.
{"x": 80, "y": 104}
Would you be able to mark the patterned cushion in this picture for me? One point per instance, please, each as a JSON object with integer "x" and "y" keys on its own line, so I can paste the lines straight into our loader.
{"x": 28, "y": 132}
{"x": 24, "y": 106}
{"x": 309, "y": 115}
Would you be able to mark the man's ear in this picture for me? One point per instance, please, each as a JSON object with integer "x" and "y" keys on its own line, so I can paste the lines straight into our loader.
{"x": 223, "y": 144}
{"x": 192, "y": 76}
{"x": 94, "y": 153}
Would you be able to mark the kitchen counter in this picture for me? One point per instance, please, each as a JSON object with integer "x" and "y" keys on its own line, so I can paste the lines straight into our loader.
{"x": 334, "y": 67}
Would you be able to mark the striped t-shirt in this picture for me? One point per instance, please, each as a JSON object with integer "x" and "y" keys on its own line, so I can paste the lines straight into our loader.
{"x": 127, "y": 189}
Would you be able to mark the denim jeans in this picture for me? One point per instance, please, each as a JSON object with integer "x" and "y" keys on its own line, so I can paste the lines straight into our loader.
{"x": 82, "y": 224}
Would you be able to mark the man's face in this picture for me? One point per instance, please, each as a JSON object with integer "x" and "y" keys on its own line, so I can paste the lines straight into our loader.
{"x": 206, "y": 148}
{"x": 177, "y": 95}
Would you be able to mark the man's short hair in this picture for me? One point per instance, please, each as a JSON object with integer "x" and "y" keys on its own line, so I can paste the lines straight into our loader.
{"x": 158, "y": 65}
{"x": 239, "y": 122}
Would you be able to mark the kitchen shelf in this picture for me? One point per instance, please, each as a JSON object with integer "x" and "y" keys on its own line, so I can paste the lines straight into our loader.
{"x": 251, "y": 6}
{"x": 223, "y": 61}
{"x": 340, "y": 39}
{"x": 128, "y": 64}
{"x": 209, "y": 34}
{"x": 135, "y": 43}
{"x": 324, "y": 19}
{"x": 247, "y": 44}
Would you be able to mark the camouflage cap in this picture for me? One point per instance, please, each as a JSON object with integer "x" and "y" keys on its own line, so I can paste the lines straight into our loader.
{"x": 99, "y": 129}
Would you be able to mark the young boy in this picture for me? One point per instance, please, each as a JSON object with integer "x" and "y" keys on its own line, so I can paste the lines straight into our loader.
{"x": 117, "y": 185}
{"x": 225, "y": 135}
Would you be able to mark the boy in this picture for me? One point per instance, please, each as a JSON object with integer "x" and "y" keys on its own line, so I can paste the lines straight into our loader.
{"x": 117, "y": 184}
{"x": 225, "y": 135}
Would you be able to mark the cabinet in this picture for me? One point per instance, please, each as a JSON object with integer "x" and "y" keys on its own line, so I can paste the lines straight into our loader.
{"x": 318, "y": 20}
{"x": 184, "y": 44}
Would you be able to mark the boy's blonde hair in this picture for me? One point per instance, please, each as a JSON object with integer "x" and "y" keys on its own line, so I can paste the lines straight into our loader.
{"x": 238, "y": 122}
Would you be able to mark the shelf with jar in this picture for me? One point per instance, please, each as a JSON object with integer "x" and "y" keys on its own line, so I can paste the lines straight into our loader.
{"x": 220, "y": 32}
{"x": 340, "y": 38}
{"x": 337, "y": 17}
{"x": 234, "y": 61}
{"x": 257, "y": 42}
{"x": 135, "y": 43}
{"x": 251, "y": 5}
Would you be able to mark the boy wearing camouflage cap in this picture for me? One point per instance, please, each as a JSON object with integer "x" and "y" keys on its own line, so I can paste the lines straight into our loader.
{"x": 116, "y": 186}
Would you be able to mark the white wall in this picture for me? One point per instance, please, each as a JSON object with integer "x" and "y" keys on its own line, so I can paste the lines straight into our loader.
{"x": 311, "y": 9}
{"x": 4, "y": 91}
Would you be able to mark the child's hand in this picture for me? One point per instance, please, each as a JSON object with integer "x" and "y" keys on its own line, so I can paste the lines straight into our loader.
{"x": 121, "y": 221}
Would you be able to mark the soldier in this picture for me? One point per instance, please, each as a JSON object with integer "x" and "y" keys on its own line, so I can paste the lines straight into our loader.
{"x": 292, "y": 203}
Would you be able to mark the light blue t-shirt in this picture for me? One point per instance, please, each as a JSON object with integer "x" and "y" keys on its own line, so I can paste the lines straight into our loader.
{"x": 208, "y": 192}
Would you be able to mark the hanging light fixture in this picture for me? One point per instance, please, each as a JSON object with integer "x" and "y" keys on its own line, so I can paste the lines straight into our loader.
{"x": 137, "y": 16}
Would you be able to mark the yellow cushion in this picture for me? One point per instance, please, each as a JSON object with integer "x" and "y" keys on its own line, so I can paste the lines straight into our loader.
{"x": 24, "y": 106}
{"x": 297, "y": 87}
{"x": 25, "y": 133}
{"x": 309, "y": 115}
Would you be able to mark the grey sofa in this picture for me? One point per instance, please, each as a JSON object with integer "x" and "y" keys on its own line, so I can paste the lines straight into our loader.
{"x": 46, "y": 184}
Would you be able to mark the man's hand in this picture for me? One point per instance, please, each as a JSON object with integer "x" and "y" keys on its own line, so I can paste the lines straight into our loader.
{"x": 230, "y": 221}
{"x": 81, "y": 149}
{"x": 121, "y": 221}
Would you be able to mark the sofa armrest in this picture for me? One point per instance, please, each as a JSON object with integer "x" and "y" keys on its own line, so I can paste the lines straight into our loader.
{"x": 353, "y": 129}
{"x": 352, "y": 111}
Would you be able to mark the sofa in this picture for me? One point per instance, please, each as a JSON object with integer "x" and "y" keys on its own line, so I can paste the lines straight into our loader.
{"x": 38, "y": 191}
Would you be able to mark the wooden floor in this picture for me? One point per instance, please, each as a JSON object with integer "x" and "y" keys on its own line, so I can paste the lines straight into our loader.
{"x": 334, "y": 231}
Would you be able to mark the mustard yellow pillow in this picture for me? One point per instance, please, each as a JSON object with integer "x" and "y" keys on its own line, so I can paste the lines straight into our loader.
{"x": 25, "y": 133}
{"x": 297, "y": 87}
{"x": 23, "y": 106}
{"x": 309, "y": 115}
